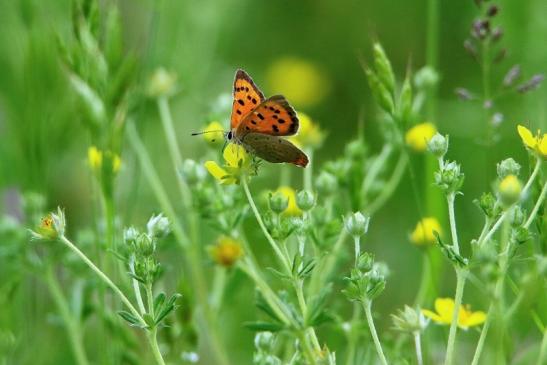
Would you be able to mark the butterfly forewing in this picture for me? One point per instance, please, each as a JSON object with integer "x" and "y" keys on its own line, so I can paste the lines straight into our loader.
{"x": 247, "y": 96}
{"x": 274, "y": 116}
{"x": 274, "y": 149}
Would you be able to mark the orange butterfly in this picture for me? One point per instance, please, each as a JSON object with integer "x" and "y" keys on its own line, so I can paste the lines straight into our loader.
{"x": 258, "y": 123}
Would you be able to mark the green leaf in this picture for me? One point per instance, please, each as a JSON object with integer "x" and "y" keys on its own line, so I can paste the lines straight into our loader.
{"x": 130, "y": 318}
{"x": 264, "y": 326}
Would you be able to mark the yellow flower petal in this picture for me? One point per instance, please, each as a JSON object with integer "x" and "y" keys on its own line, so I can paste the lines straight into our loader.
{"x": 218, "y": 172}
{"x": 473, "y": 319}
{"x": 418, "y": 136}
{"x": 290, "y": 194}
{"x": 542, "y": 146}
{"x": 434, "y": 316}
{"x": 423, "y": 233}
{"x": 94, "y": 157}
{"x": 527, "y": 137}
{"x": 445, "y": 309}
{"x": 233, "y": 153}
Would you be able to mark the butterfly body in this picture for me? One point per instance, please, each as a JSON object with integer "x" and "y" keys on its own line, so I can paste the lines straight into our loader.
{"x": 258, "y": 123}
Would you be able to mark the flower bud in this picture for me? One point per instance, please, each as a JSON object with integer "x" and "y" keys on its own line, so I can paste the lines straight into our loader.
{"x": 438, "y": 145}
{"x": 46, "y": 229}
{"x": 449, "y": 178}
{"x": 130, "y": 235}
{"x": 264, "y": 341}
{"x": 410, "y": 320}
{"x": 162, "y": 83}
{"x": 426, "y": 77}
{"x": 487, "y": 203}
{"x": 356, "y": 149}
{"x": 158, "y": 226}
{"x": 380, "y": 92}
{"x": 145, "y": 245}
{"x": 424, "y": 234}
{"x": 326, "y": 183}
{"x": 418, "y": 136}
{"x": 278, "y": 202}
{"x": 357, "y": 224}
{"x": 193, "y": 172}
{"x": 508, "y": 167}
{"x": 511, "y": 76}
{"x": 365, "y": 262}
{"x": 305, "y": 200}
{"x": 509, "y": 190}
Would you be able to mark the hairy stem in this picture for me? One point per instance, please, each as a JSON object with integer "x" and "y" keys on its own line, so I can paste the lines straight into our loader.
{"x": 418, "y": 347}
{"x": 368, "y": 313}
{"x": 460, "y": 284}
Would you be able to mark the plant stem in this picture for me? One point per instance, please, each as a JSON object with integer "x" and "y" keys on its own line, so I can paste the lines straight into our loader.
{"x": 532, "y": 177}
{"x": 152, "y": 339}
{"x": 418, "y": 347}
{"x": 460, "y": 284}
{"x": 536, "y": 206}
{"x": 71, "y": 323}
{"x": 308, "y": 353}
{"x": 452, "y": 219}
{"x": 104, "y": 278}
{"x": 542, "y": 349}
{"x": 219, "y": 281}
{"x": 269, "y": 238}
{"x": 322, "y": 275}
{"x": 484, "y": 331}
{"x": 357, "y": 248}
{"x": 367, "y": 307}
{"x": 425, "y": 281}
{"x": 136, "y": 287}
{"x": 390, "y": 186}
{"x": 374, "y": 170}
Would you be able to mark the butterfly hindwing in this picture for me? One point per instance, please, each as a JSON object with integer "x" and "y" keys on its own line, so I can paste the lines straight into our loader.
{"x": 275, "y": 116}
{"x": 247, "y": 96}
{"x": 274, "y": 149}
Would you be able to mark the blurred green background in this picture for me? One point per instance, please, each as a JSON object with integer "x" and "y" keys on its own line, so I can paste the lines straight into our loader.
{"x": 43, "y": 145}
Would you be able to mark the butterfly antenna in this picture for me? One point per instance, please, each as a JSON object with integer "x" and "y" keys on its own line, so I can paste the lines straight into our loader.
{"x": 200, "y": 133}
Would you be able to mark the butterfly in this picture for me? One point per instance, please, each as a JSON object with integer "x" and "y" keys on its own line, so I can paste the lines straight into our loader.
{"x": 258, "y": 123}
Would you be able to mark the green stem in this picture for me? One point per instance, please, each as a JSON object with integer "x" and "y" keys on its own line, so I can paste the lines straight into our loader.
{"x": 321, "y": 276}
{"x": 374, "y": 170}
{"x": 390, "y": 186}
{"x": 152, "y": 340}
{"x": 418, "y": 347}
{"x": 452, "y": 219}
{"x": 71, "y": 323}
{"x": 353, "y": 335}
{"x": 219, "y": 282}
{"x": 432, "y": 52}
{"x": 357, "y": 248}
{"x": 536, "y": 206}
{"x": 425, "y": 281}
{"x": 269, "y": 238}
{"x": 308, "y": 353}
{"x": 543, "y": 349}
{"x": 482, "y": 338}
{"x": 532, "y": 177}
{"x": 460, "y": 284}
{"x": 367, "y": 307}
{"x": 104, "y": 278}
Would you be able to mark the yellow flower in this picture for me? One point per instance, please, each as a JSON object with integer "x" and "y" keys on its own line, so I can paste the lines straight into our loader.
{"x": 510, "y": 188}
{"x": 292, "y": 207}
{"x": 423, "y": 233}
{"x": 237, "y": 165}
{"x": 299, "y": 80}
{"x": 537, "y": 143}
{"x": 418, "y": 136}
{"x": 95, "y": 159}
{"x": 46, "y": 228}
{"x": 444, "y": 310}
{"x": 309, "y": 134}
{"x": 213, "y": 133}
{"x": 226, "y": 251}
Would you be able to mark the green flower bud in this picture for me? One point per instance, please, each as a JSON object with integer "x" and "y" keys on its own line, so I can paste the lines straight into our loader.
{"x": 410, "y": 320}
{"x": 449, "y": 178}
{"x": 158, "y": 226}
{"x": 365, "y": 262}
{"x": 438, "y": 145}
{"x": 357, "y": 224}
{"x": 162, "y": 83}
{"x": 509, "y": 190}
{"x": 130, "y": 235}
{"x": 145, "y": 245}
{"x": 383, "y": 67}
{"x": 326, "y": 183}
{"x": 487, "y": 203}
{"x": 305, "y": 200}
{"x": 356, "y": 149}
{"x": 405, "y": 100}
{"x": 193, "y": 172}
{"x": 426, "y": 77}
{"x": 508, "y": 167}
{"x": 278, "y": 202}
{"x": 264, "y": 341}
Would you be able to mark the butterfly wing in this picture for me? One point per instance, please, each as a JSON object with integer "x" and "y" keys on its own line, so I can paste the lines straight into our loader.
{"x": 274, "y": 149}
{"x": 275, "y": 116}
{"x": 247, "y": 96}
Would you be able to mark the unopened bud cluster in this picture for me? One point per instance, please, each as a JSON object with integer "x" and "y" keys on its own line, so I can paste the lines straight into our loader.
{"x": 449, "y": 177}
{"x": 366, "y": 281}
